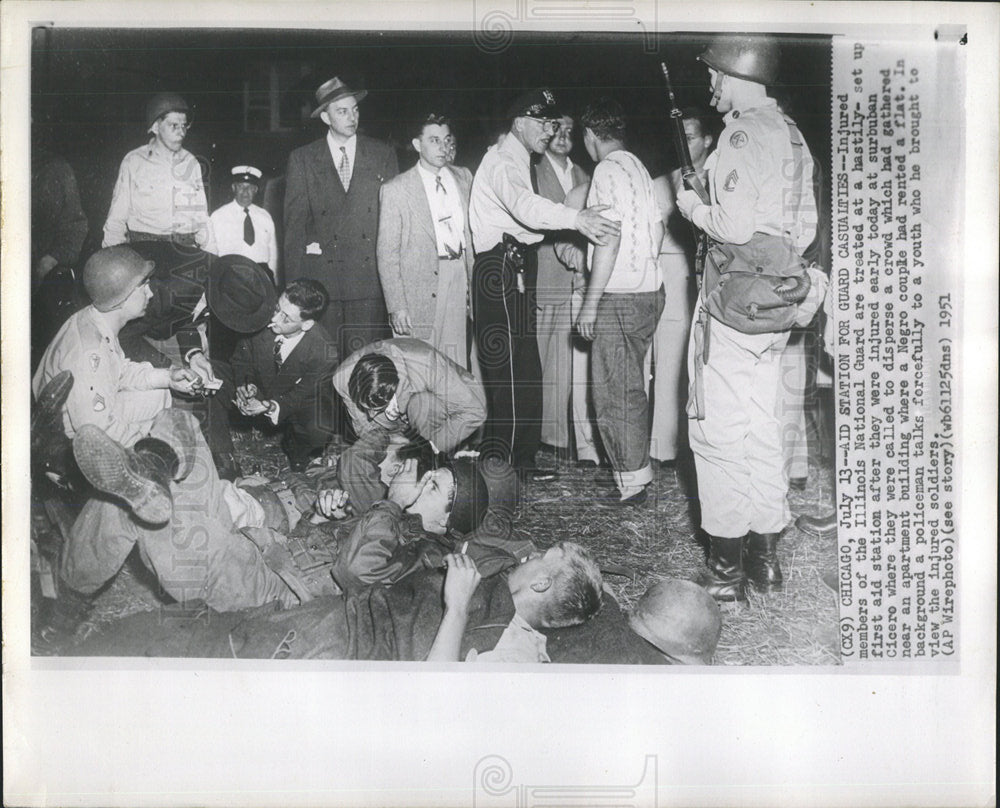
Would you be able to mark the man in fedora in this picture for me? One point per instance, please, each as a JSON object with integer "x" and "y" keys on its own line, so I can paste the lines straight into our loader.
{"x": 243, "y": 228}
{"x": 283, "y": 373}
{"x": 331, "y": 217}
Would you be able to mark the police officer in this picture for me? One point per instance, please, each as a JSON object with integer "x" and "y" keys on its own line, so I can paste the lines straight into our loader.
{"x": 506, "y": 214}
{"x": 243, "y": 228}
{"x": 761, "y": 193}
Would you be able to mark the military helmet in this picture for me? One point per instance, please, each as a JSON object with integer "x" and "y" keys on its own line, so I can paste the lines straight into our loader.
{"x": 162, "y": 103}
{"x": 681, "y": 619}
{"x": 745, "y": 56}
{"x": 112, "y": 274}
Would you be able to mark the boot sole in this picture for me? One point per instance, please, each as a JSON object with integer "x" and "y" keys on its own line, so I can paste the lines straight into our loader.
{"x": 107, "y": 467}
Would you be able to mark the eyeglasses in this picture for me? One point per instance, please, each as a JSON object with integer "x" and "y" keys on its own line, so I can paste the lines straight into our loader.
{"x": 550, "y": 127}
{"x": 283, "y": 317}
{"x": 183, "y": 128}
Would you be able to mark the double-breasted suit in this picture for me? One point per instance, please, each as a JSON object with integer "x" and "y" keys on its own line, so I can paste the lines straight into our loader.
{"x": 415, "y": 277}
{"x": 330, "y": 235}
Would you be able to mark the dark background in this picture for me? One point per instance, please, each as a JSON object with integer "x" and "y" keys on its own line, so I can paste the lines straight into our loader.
{"x": 90, "y": 87}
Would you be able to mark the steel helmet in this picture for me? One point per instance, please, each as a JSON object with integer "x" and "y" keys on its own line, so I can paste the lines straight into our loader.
{"x": 745, "y": 56}
{"x": 681, "y": 619}
{"x": 162, "y": 103}
{"x": 112, "y": 274}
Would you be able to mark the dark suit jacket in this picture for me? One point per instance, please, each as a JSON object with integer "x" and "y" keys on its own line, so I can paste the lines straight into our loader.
{"x": 343, "y": 224}
{"x": 303, "y": 378}
{"x": 177, "y": 284}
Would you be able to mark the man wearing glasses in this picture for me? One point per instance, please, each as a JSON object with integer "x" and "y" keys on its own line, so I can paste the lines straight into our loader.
{"x": 160, "y": 193}
{"x": 506, "y": 215}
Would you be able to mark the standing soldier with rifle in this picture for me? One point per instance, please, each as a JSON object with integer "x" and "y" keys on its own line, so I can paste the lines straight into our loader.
{"x": 761, "y": 218}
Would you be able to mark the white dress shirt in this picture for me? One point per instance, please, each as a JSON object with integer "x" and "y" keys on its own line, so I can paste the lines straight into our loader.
{"x": 564, "y": 175}
{"x": 504, "y": 202}
{"x": 446, "y": 209}
{"x": 227, "y": 222}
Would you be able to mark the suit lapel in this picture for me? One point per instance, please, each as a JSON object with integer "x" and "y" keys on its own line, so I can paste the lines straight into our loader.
{"x": 418, "y": 199}
{"x": 326, "y": 172}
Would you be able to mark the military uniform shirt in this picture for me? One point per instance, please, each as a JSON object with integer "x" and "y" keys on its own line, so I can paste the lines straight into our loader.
{"x": 159, "y": 192}
{"x": 101, "y": 374}
{"x": 503, "y": 202}
{"x": 753, "y": 188}
{"x": 227, "y": 223}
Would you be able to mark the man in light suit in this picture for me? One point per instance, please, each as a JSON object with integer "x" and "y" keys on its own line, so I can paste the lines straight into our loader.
{"x": 331, "y": 217}
{"x": 423, "y": 220}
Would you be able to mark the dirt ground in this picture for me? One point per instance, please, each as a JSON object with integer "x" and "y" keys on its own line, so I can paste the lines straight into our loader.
{"x": 797, "y": 626}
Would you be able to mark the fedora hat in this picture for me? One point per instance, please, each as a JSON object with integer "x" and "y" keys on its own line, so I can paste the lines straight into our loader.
{"x": 333, "y": 90}
{"x": 241, "y": 293}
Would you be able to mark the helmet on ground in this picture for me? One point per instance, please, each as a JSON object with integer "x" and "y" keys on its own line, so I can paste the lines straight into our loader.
{"x": 162, "y": 103}
{"x": 112, "y": 274}
{"x": 681, "y": 619}
{"x": 753, "y": 57}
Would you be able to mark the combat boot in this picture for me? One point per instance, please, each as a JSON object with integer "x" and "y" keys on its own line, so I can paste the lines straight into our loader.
{"x": 761, "y": 561}
{"x": 140, "y": 476}
{"x": 725, "y": 580}
{"x": 58, "y": 623}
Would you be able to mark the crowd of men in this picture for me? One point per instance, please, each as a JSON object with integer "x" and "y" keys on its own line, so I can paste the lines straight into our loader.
{"x": 433, "y": 330}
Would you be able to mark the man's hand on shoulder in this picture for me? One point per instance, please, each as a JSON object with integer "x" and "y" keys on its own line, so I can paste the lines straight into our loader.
{"x": 596, "y": 227}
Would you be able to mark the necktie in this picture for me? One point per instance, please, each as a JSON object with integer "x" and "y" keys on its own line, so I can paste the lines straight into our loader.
{"x": 452, "y": 244}
{"x": 345, "y": 168}
{"x": 278, "y": 342}
{"x": 533, "y": 166}
{"x": 248, "y": 234}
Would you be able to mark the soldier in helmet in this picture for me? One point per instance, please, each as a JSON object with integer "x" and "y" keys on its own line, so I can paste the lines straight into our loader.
{"x": 762, "y": 198}
{"x": 160, "y": 194}
{"x": 112, "y": 392}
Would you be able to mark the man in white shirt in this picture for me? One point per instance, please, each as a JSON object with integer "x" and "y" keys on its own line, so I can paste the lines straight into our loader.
{"x": 425, "y": 245}
{"x": 623, "y": 301}
{"x": 160, "y": 193}
{"x": 243, "y": 228}
{"x": 506, "y": 216}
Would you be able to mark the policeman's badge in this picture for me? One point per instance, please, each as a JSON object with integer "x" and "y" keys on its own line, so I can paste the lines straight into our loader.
{"x": 99, "y": 405}
{"x": 731, "y": 179}
{"x": 738, "y": 139}
{"x": 549, "y": 98}
{"x": 95, "y": 362}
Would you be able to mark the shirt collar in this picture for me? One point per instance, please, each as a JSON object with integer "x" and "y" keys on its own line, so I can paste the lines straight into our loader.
{"x": 350, "y": 144}
{"x": 559, "y": 168}
{"x": 427, "y": 175}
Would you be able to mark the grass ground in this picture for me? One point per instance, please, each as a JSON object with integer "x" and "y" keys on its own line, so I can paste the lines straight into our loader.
{"x": 797, "y": 626}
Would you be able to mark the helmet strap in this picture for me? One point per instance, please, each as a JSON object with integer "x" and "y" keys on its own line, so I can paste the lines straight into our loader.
{"x": 717, "y": 87}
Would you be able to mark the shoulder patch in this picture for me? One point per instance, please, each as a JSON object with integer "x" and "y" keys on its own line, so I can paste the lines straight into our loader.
{"x": 731, "y": 179}
{"x": 99, "y": 405}
{"x": 95, "y": 362}
{"x": 738, "y": 139}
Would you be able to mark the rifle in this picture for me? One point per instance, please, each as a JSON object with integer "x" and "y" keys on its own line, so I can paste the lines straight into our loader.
{"x": 688, "y": 173}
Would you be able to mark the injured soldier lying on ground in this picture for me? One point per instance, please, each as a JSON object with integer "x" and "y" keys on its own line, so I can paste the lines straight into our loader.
{"x": 396, "y": 583}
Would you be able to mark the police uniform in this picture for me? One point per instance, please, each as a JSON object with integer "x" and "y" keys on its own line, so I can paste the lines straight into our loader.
{"x": 737, "y": 446}
{"x": 234, "y": 236}
{"x": 109, "y": 390}
{"x": 504, "y": 206}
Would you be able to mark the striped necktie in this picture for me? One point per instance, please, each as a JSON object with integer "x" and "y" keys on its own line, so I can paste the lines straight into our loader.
{"x": 345, "y": 168}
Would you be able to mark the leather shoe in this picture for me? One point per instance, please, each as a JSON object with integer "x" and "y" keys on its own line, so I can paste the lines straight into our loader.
{"x": 760, "y": 561}
{"x": 819, "y": 527}
{"x": 637, "y": 499}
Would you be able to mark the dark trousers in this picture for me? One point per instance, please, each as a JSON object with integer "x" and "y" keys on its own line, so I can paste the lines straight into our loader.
{"x": 507, "y": 347}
